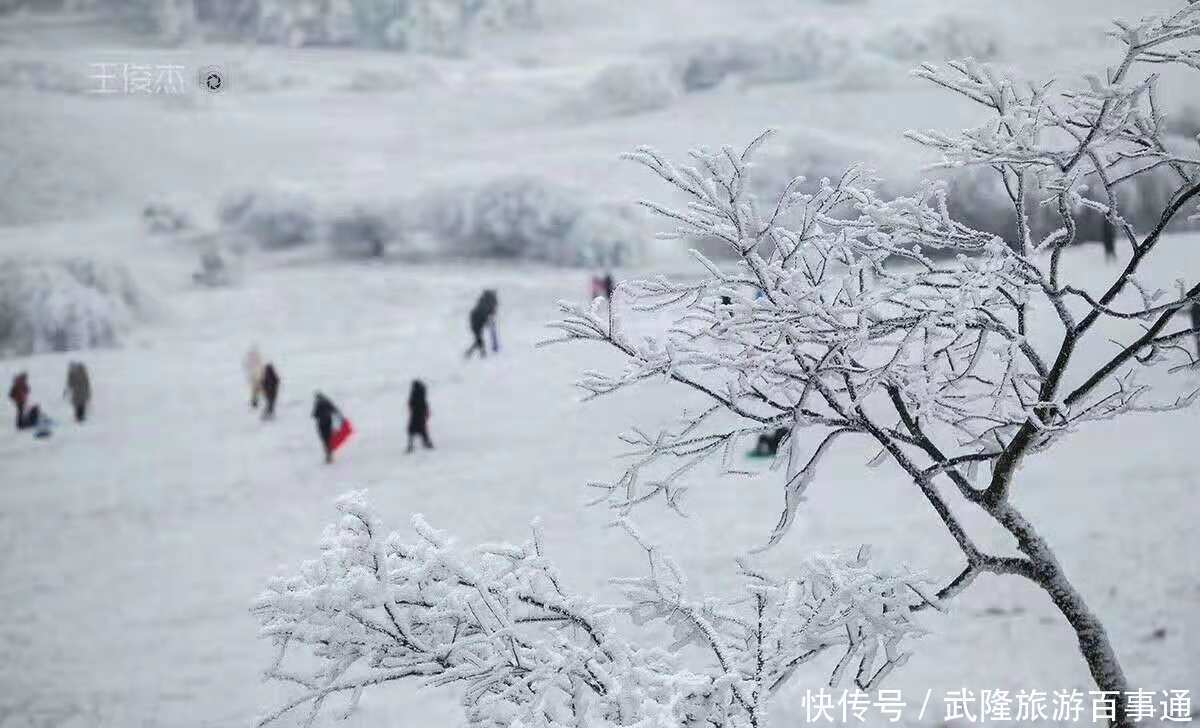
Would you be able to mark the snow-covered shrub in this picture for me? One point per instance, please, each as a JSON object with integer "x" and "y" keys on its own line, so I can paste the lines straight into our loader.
{"x": 706, "y": 63}
{"x": 66, "y": 305}
{"x": 443, "y": 27}
{"x": 276, "y": 219}
{"x": 218, "y": 268}
{"x": 534, "y": 219}
{"x": 798, "y": 53}
{"x": 161, "y": 217}
{"x": 500, "y": 622}
{"x": 362, "y": 232}
{"x": 792, "y": 53}
{"x": 628, "y": 87}
{"x": 944, "y": 37}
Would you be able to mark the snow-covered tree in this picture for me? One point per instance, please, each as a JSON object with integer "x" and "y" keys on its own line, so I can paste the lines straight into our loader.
{"x": 841, "y": 324}
{"x": 958, "y": 369}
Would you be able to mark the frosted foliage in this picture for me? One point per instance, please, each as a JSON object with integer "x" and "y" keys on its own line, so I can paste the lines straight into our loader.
{"x": 796, "y": 53}
{"x": 499, "y": 622}
{"x": 533, "y": 219}
{"x": 65, "y": 305}
{"x": 426, "y": 26}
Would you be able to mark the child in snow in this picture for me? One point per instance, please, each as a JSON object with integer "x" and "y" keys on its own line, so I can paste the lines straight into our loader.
{"x": 253, "y": 366}
{"x": 484, "y": 315}
{"x": 78, "y": 389}
{"x": 768, "y": 445}
{"x": 325, "y": 412}
{"x": 418, "y": 415}
{"x": 270, "y": 389}
{"x": 19, "y": 394}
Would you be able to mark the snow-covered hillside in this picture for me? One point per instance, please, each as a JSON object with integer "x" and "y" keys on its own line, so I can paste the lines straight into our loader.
{"x": 131, "y": 546}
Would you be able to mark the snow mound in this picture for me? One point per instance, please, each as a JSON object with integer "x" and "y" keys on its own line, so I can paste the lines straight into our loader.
{"x": 66, "y": 305}
{"x": 528, "y": 218}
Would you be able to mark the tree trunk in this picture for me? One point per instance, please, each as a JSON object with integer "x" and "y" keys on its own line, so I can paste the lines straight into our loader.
{"x": 1094, "y": 643}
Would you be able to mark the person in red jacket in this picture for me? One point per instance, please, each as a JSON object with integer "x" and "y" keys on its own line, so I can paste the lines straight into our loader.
{"x": 19, "y": 394}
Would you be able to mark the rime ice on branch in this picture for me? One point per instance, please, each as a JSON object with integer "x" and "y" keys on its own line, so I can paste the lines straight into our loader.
{"x": 498, "y": 621}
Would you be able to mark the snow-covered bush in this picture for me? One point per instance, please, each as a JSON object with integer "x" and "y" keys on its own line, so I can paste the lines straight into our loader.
{"x": 161, "y": 217}
{"x": 362, "y": 232}
{"x": 628, "y": 88}
{"x": 500, "y": 622}
{"x": 789, "y": 54}
{"x": 943, "y": 37}
{"x": 66, "y": 305}
{"x": 275, "y": 219}
{"x": 534, "y": 219}
{"x": 443, "y": 27}
{"x": 799, "y": 53}
{"x": 219, "y": 268}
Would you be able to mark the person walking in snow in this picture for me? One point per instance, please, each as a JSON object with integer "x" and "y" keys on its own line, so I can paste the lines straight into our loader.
{"x": 768, "y": 445}
{"x": 1110, "y": 240}
{"x": 252, "y": 364}
{"x": 78, "y": 389}
{"x": 418, "y": 416}
{"x": 270, "y": 389}
{"x": 19, "y": 394}
{"x": 484, "y": 315}
{"x": 325, "y": 412}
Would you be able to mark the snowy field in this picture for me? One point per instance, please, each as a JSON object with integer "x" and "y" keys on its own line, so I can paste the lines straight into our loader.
{"x": 131, "y": 547}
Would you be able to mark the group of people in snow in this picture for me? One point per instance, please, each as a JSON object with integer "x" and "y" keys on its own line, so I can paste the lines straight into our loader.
{"x": 31, "y": 416}
{"x": 333, "y": 428}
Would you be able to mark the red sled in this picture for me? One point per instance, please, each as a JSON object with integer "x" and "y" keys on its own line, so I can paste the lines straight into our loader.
{"x": 342, "y": 434}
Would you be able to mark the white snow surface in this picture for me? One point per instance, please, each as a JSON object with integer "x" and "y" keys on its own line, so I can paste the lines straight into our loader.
{"x": 132, "y": 546}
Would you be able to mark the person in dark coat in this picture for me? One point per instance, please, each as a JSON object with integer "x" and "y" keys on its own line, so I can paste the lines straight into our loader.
{"x": 270, "y": 389}
{"x": 78, "y": 389}
{"x": 324, "y": 412}
{"x": 418, "y": 416}
{"x": 483, "y": 315}
{"x": 19, "y": 394}
{"x": 769, "y": 444}
{"x": 1110, "y": 240}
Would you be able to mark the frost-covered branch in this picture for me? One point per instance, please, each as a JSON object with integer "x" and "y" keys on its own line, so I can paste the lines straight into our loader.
{"x": 498, "y": 622}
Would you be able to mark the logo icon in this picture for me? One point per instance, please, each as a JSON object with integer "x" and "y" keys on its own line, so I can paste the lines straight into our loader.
{"x": 212, "y": 79}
